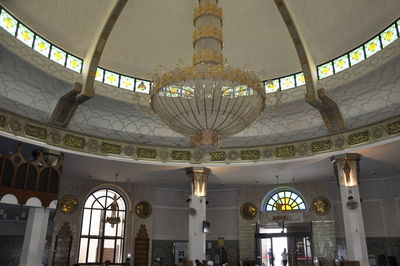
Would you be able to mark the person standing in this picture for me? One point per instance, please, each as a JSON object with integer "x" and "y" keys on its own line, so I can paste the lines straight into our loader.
{"x": 284, "y": 257}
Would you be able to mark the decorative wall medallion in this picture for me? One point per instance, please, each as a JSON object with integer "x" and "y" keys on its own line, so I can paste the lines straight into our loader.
{"x": 339, "y": 142}
{"x": 143, "y": 209}
{"x": 393, "y": 128}
{"x": 285, "y": 151}
{"x": 15, "y": 125}
{"x": 358, "y": 138}
{"x": 146, "y": 153}
{"x": 180, "y": 155}
{"x": 248, "y": 211}
{"x": 302, "y": 148}
{"x": 110, "y": 148}
{"x": 250, "y": 155}
{"x": 3, "y": 121}
{"x": 321, "y": 205}
{"x": 218, "y": 156}
{"x": 68, "y": 204}
{"x": 378, "y": 132}
{"x": 197, "y": 156}
{"x": 55, "y": 137}
{"x": 74, "y": 141}
{"x": 164, "y": 155}
{"x": 93, "y": 145}
{"x": 35, "y": 131}
{"x": 128, "y": 150}
{"x": 233, "y": 155}
{"x": 322, "y": 145}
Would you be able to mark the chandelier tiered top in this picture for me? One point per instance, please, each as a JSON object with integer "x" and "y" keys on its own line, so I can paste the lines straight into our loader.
{"x": 208, "y": 100}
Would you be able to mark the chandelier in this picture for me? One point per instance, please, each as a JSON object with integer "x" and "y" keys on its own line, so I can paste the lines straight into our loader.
{"x": 208, "y": 100}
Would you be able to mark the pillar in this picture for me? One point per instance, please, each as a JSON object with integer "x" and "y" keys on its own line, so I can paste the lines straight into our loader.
{"x": 197, "y": 212}
{"x": 35, "y": 237}
{"x": 347, "y": 169}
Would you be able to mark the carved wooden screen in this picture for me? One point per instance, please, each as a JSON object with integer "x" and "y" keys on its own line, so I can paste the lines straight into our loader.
{"x": 141, "y": 246}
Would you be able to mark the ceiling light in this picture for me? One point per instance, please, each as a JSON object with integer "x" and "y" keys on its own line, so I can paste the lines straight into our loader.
{"x": 208, "y": 100}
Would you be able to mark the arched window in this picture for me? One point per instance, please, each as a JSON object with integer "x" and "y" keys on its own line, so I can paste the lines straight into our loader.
{"x": 285, "y": 200}
{"x": 101, "y": 241}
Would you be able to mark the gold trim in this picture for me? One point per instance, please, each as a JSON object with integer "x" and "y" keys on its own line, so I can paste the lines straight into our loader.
{"x": 207, "y": 56}
{"x": 248, "y": 211}
{"x": 208, "y": 32}
{"x": 207, "y": 10}
{"x": 321, "y": 205}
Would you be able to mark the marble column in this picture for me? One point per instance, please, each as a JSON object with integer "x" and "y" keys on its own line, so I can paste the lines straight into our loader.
{"x": 197, "y": 212}
{"x": 347, "y": 169}
{"x": 35, "y": 237}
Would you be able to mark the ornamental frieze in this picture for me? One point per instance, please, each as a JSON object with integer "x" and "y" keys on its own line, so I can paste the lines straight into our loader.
{"x": 358, "y": 138}
{"x": 146, "y": 153}
{"x": 393, "y": 128}
{"x": 110, "y": 148}
{"x": 218, "y": 156}
{"x": 322, "y": 145}
{"x": 74, "y": 141}
{"x": 3, "y": 121}
{"x": 250, "y": 155}
{"x": 180, "y": 155}
{"x": 35, "y": 131}
{"x": 285, "y": 151}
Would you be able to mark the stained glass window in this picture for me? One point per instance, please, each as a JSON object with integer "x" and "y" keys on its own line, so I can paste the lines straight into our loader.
{"x": 389, "y": 35}
{"x": 8, "y": 22}
{"x": 372, "y": 46}
{"x": 287, "y": 83}
{"x": 111, "y": 78}
{"x": 142, "y": 86}
{"x": 187, "y": 91}
{"x": 300, "y": 79}
{"x": 100, "y": 241}
{"x": 272, "y": 86}
{"x": 99, "y": 74}
{"x": 58, "y": 55}
{"x": 357, "y": 55}
{"x": 325, "y": 70}
{"x": 285, "y": 200}
{"x": 127, "y": 83}
{"x": 74, "y": 63}
{"x": 341, "y": 63}
{"x": 25, "y": 35}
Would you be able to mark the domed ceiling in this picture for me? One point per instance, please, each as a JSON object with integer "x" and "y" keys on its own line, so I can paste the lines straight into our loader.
{"x": 152, "y": 35}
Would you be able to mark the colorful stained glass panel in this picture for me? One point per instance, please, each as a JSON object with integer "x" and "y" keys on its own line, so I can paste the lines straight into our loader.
{"x": 58, "y": 55}
{"x": 142, "y": 86}
{"x": 341, "y": 63}
{"x": 42, "y": 46}
{"x": 7, "y": 22}
{"x": 325, "y": 70}
{"x": 25, "y": 35}
{"x": 111, "y": 78}
{"x": 127, "y": 83}
{"x": 372, "y": 46}
{"x": 74, "y": 63}
{"x": 187, "y": 91}
{"x": 300, "y": 79}
{"x": 99, "y": 74}
{"x": 356, "y": 56}
{"x": 271, "y": 86}
{"x": 389, "y": 35}
{"x": 287, "y": 83}
{"x": 285, "y": 201}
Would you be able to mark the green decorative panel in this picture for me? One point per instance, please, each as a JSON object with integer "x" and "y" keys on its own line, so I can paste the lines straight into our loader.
{"x": 358, "y": 138}
{"x": 218, "y": 156}
{"x": 250, "y": 155}
{"x": 180, "y": 155}
{"x": 35, "y": 131}
{"x": 74, "y": 141}
{"x": 393, "y": 128}
{"x": 322, "y": 145}
{"x": 285, "y": 151}
{"x": 146, "y": 153}
{"x": 3, "y": 121}
{"x": 110, "y": 148}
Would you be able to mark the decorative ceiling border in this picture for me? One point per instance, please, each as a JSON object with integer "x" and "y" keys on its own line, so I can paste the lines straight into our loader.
{"x": 62, "y": 138}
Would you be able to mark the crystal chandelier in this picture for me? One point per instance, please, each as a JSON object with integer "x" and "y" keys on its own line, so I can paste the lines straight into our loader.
{"x": 208, "y": 100}
{"x": 114, "y": 219}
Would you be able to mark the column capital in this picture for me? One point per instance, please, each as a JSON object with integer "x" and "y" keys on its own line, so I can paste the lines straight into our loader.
{"x": 198, "y": 177}
{"x": 346, "y": 156}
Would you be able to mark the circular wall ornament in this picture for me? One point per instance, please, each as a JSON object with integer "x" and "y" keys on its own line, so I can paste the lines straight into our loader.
{"x": 68, "y": 204}
{"x": 321, "y": 205}
{"x": 248, "y": 211}
{"x": 143, "y": 209}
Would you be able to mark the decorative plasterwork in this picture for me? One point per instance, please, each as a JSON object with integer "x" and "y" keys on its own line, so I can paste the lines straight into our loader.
{"x": 65, "y": 139}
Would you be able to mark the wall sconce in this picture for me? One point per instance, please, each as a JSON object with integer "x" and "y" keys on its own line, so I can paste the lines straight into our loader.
{"x": 347, "y": 168}
{"x": 199, "y": 179}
